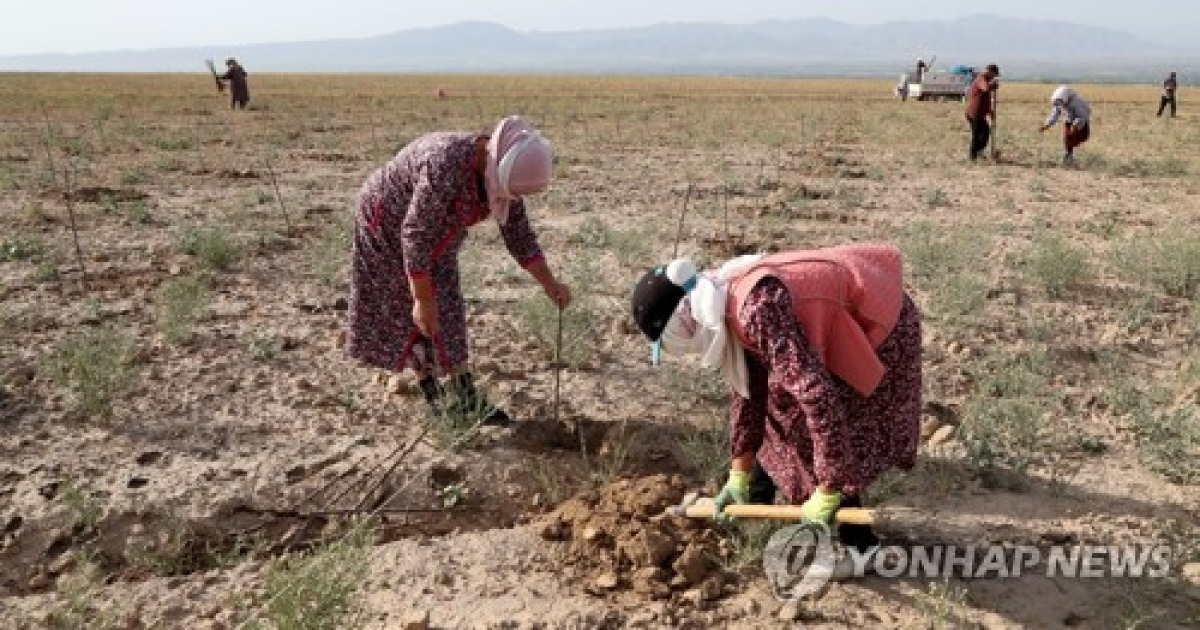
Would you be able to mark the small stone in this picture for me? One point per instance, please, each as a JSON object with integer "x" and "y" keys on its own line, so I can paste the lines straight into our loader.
{"x": 1191, "y": 573}
{"x": 693, "y": 597}
{"x": 606, "y": 581}
{"x": 929, "y": 426}
{"x": 395, "y": 384}
{"x": 590, "y": 533}
{"x": 942, "y": 435}
{"x": 416, "y": 620}
{"x": 790, "y": 611}
{"x": 339, "y": 340}
{"x": 679, "y": 583}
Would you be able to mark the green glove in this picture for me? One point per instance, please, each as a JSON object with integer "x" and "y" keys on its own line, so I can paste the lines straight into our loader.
{"x": 821, "y": 506}
{"x": 736, "y": 490}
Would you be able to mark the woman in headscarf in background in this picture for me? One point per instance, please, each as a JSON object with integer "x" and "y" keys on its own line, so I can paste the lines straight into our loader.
{"x": 821, "y": 350}
{"x": 1077, "y": 116}
{"x": 406, "y": 303}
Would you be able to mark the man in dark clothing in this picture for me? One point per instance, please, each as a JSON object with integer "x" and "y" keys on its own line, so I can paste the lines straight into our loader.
{"x": 1168, "y": 94}
{"x": 981, "y": 106}
{"x": 239, "y": 89}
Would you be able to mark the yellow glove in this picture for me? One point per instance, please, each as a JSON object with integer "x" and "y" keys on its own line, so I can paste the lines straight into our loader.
{"x": 821, "y": 506}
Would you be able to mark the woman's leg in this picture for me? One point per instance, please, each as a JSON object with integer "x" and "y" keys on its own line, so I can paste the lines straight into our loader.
{"x": 860, "y": 537}
{"x": 762, "y": 487}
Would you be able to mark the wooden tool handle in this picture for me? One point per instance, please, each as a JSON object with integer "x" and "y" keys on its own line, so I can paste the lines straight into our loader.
{"x": 850, "y": 516}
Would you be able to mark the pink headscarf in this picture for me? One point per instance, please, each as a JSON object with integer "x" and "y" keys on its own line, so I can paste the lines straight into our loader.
{"x": 519, "y": 162}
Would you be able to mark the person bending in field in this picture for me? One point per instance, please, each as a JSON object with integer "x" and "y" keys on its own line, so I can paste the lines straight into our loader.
{"x": 1077, "y": 116}
{"x": 406, "y": 304}
{"x": 239, "y": 87}
{"x": 821, "y": 350}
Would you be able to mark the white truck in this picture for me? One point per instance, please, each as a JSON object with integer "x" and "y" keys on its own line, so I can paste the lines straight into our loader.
{"x": 937, "y": 85}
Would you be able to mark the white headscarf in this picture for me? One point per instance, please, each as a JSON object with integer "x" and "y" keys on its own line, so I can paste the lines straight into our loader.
{"x": 698, "y": 324}
{"x": 1061, "y": 93}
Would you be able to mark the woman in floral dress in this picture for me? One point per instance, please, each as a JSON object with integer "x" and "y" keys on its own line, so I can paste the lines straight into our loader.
{"x": 822, "y": 352}
{"x": 406, "y": 302}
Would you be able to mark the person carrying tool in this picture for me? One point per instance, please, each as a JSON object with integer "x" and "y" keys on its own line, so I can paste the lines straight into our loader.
{"x": 406, "y": 304}
{"x": 821, "y": 350}
{"x": 1077, "y": 128}
{"x": 1170, "y": 84}
{"x": 239, "y": 87}
{"x": 981, "y": 105}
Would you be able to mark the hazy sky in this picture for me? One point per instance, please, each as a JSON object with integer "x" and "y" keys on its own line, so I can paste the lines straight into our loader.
{"x": 91, "y": 25}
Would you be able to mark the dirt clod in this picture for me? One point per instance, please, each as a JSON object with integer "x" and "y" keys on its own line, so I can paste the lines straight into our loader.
{"x": 621, "y": 530}
{"x": 692, "y": 565}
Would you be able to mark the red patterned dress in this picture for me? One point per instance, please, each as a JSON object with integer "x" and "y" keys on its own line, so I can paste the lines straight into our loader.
{"x": 412, "y": 220}
{"x": 807, "y": 426}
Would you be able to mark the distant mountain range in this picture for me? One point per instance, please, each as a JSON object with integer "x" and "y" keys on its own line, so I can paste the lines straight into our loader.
{"x": 1024, "y": 48}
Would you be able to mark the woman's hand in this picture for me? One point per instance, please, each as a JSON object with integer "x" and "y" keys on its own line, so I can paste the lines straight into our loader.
{"x": 424, "y": 314}
{"x": 424, "y": 311}
{"x": 736, "y": 491}
{"x": 821, "y": 505}
{"x": 558, "y": 293}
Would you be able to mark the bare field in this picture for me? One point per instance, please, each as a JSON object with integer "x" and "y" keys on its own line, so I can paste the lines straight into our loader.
{"x": 183, "y": 443}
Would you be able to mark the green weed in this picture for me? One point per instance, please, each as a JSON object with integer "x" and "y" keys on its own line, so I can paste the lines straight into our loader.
{"x": 179, "y": 303}
{"x": 17, "y": 247}
{"x": 1057, "y": 264}
{"x": 212, "y": 245}
{"x": 85, "y": 509}
{"x": 94, "y": 365}
{"x": 318, "y": 589}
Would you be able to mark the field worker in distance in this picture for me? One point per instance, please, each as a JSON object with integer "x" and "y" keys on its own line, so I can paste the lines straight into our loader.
{"x": 1077, "y": 113}
{"x": 981, "y": 105}
{"x": 1170, "y": 84}
{"x": 406, "y": 304}
{"x": 821, "y": 350}
{"x": 239, "y": 88}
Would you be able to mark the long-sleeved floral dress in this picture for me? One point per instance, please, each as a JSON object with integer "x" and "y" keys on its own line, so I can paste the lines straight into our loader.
{"x": 807, "y": 426}
{"x": 412, "y": 220}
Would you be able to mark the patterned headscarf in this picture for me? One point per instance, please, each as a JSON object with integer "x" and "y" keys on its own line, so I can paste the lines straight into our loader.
{"x": 519, "y": 162}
